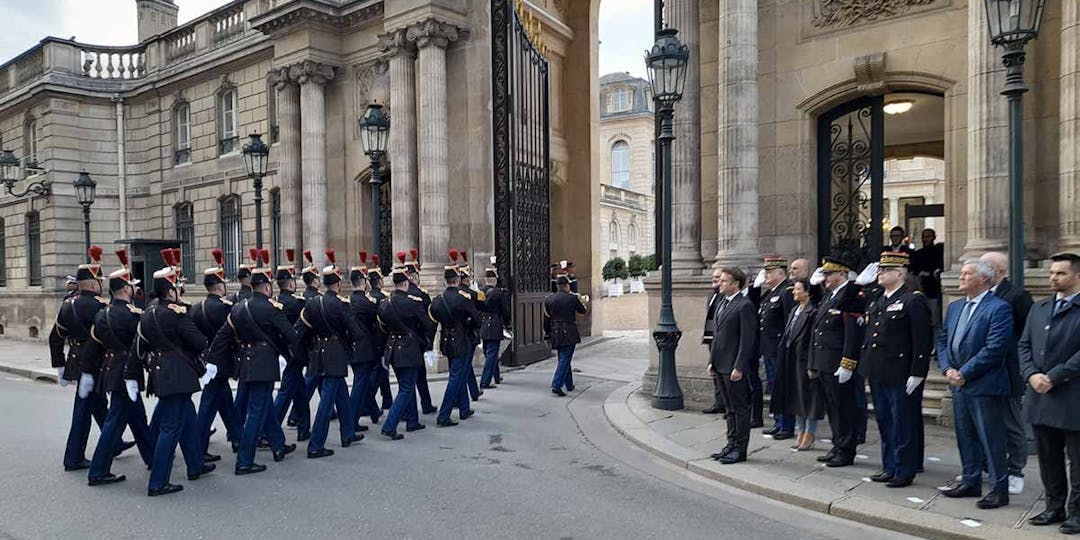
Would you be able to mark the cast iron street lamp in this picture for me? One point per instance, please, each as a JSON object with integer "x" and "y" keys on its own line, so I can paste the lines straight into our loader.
{"x": 10, "y": 172}
{"x": 667, "y": 74}
{"x": 85, "y": 190}
{"x": 256, "y": 154}
{"x": 374, "y": 133}
{"x": 1013, "y": 23}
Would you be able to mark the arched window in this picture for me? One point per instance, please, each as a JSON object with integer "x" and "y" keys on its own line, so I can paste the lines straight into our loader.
{"x": 181, "y": 118}
{"x": 30, "y": 143}
{"x": 33, "y": 248}
{"x": 620, "y": 165}
{"x": 3, "y": 254}
{"x": 184, "y": 226}
{"x": 620, "y": 100}
{"x": 229, "y": 232}
{"x": 228, "y": 123}
{"x": 631, "y": 238}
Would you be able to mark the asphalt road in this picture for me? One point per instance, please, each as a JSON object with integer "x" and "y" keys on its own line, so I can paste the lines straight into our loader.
{"x": 528, "y": 465}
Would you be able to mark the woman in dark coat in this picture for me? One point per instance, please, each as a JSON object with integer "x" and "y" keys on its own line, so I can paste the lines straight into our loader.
{"x": 804, "y": 398}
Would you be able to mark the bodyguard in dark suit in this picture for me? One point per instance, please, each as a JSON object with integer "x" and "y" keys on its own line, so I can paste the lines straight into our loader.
{"x": 734, "y": 347}
{"x": 458, "y": 318}
{"x": 1050, "y": 360}
{"x": 560, "y": 324}
{"x": 363, "y": 307}
{"x": 711, "y": 312}
{"x": 971, "y": 354}
{"x": 774, "y": 310}
{"x": 408, "y": 324}
{"x": 495, "y": 317}
{"x": 293, "y": 390}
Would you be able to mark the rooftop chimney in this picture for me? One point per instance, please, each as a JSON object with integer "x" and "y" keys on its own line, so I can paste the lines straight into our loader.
{"x": 155, "y": 17}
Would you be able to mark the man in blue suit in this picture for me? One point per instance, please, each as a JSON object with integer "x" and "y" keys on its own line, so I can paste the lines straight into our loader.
{"x": 971, "y": 351}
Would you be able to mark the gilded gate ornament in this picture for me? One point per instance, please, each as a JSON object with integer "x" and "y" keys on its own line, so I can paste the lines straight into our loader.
{"x": 841, "y": 13}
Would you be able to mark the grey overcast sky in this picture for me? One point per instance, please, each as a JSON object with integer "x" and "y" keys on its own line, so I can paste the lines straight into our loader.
{"x": 625, "y": 26}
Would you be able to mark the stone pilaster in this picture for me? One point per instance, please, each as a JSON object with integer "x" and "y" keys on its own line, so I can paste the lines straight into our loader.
{"x": 312, "y": 76}
{"x": 401, "y": 56}
{"x": 987, "y": 141}
{"x": 686, "y": 148}
{"x": 1070, "y": 127}
{"x": 288, "y": 151}
{"x": 737, "y": 135}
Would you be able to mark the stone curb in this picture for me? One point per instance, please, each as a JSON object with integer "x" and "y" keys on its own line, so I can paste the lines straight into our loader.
{"x": 835, "y": 503}
{"x": 33, "y": 374}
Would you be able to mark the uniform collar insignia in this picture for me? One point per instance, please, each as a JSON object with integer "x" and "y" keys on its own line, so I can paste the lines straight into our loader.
{"x": 182, "y": 310}
{"x": 417, "y": 298}
{"x": 132, "y": 308}
{"x": 344, "y": 298}
{"x": 275, "y": 303}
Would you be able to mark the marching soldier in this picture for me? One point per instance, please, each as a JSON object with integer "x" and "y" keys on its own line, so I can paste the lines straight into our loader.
{"x": 408, "y": 325}
{"x": 455, "y": 311}
{"x": 494, "y": 316}
{"x": 243, "y": 276}
{"x": 834, "y": 351}
{"x": 381, "y": 374}
{"x": 477, "y": 298}
{"x": 329, "y": 331}
{"x": 293, "y": 386}
{"x": 570, "y": 270}
{"x": 774, "y": 310}
{"x": 413, "y": 268}
{"x": 560, "y": 310}
{"x": 363, "y": 307}
{"x": 169, "y": 345}
{"x": 217, "y": 397}
{"x": 114, "y": 329}
{"x": 310, "y": 275}
{"x": 896, "y": 358}
{"x": 256, "y": 333}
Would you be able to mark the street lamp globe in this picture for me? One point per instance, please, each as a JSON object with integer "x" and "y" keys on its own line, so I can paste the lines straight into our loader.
{"x": 85, "y": 188}
{"x": 256, "y": 154}
{"x": 666, "y": 62}
{"x": 1014, "y": 22}
{"x": 9, "y": 168}
{"x": 375, "y": 131}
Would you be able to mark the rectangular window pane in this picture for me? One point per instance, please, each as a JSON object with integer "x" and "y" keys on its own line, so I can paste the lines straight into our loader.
{"x": 185, "y": 233}
{"x": 229, "y": 234}
{"x": 33, "y": 248}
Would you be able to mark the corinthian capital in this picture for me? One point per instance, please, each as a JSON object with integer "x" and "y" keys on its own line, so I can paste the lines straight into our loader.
{"x": 279, "y": 77}
{"x": 394, "y": 43}
{"x": 310, "y": 71}
{"x": 434, "y": 32}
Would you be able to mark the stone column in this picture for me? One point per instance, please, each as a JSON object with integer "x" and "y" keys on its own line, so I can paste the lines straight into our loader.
{"x": 987, "y": 141}
{"x": 1070, "y": 127}
{"x": 432, "y": 37}
{"x": 737, "y": 135}
{"x": 401, "y": 147}
{"x": 312, "y": 76}
{"x": 289, "y": 168}
{"x": 686, "y": 148}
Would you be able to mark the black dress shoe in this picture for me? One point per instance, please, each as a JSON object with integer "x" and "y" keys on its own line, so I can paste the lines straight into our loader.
{"x": 558, "y": 392}
{"x": 1071, "y": 526}
{"x": 375, "y": 419}
{"x": 301, "y": 437}
{"x": 285, "y": 450}
{"x": 210, "y": 458}
{"x": 392, "y": 435}
{"x": 355, "y": 438}
{"x": 250, "y": 469}
{"x": 291, "y": 423}
{"x": 882, "y": 477}
{"x": 570, "y": 388}
{"x": 235, "y": 447}
{"x": 827, "y": 457}
{"x": 322, "y": 452}
{"x": 124, "y": 446}
{"x": 1048, "y": 517}
{"x": 360, "y": 428}
{"x": 734, "y": 456}
{"x": 715, "y": 409}
{"x": 900, "y": 482}
{"x": 754, "y": 424}
{"x": 206, "y": 469}
{"x": 466, "y": 415}
{"x": 771, "y": 431}
{"x": 783, "y": 435}
{"x": 430, "y": 410}
{"x": 723, "y": 451}
{"x": 445, "y": 422}
{"x": 263, "y": 444}
{"x": 78, "y": 466}
{"x": 962, "y": 490}
{"x": 417, "y": 427}
{"x": 486, "y": 386}
{"x": 165, "y": 490}
{"x": 107, "y": 479}
{"x": 840, "y": 460}
{"x": 996, "y": 499}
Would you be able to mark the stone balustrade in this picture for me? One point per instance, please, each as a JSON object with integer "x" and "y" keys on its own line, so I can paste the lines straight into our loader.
{"x": 228, "y": 23}
{"x": 113, "y": 62}
{"x": 180, "y": 44}
{"x": 623, "y": 197}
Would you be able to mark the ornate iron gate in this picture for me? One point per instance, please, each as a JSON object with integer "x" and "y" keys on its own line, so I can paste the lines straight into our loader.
{"x": 386, "y": 224}
{"x": 851, "y": 178}
{"x": 521, "y": 176}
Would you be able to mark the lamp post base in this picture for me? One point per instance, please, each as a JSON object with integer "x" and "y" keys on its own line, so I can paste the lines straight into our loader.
{"x": 667, "y": 396}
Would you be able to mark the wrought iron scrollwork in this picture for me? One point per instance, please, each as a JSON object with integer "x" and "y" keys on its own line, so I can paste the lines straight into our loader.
{"x": 386, "y": 222}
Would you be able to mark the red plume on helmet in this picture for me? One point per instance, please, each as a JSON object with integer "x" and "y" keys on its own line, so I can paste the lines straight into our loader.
{"x": 123, "y": 256}
{"x": 167, "y": 256}
{"x": 401, "y": 256}
{"x": 254, "y": 254}
{"x": 465, "y": 256}
{"x": 363, "y": 257}
{"x": 375, "y": 260}
{"x": 330, "y": 256}
{"x": 94, "y": 252}
{"x": 290, "y": 255}
{"x": 176, "y": 256}
{"x": 307, "y": 255}
{"x": 219, "y": 256}
{"x": 453, "y": 254}
{"x": 414, "y": 253}
{"x": 265, "y": 256}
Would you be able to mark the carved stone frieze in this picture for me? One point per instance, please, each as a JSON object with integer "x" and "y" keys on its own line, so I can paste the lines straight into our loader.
{"x": 372, "y": 84}
{"x": 844, "y": 13}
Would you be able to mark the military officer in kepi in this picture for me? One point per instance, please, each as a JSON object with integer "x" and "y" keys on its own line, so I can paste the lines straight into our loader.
{"x": 328, "y": 330}
{"x": 455, "y": 311}
{"x": 257, "y": 334}
{"x": 494, "y": 318}
{"x": 477, "y": 297}
{"x": 412, "y": 267}
{"x": 408, "y": 324}
{"x": 568, "y": 268}
{"x": 365, "y": 355}
{"x": 169, "y": 345}
{"x": 560, "y": 310}
{"x": 311, "y": 276}
{"x": 114, "y": 329}
{"x": 380, "y": 375}
{"x": 243, "y": 277}
{"x": 772, "y": 292}
{"x": 293, "y": 389}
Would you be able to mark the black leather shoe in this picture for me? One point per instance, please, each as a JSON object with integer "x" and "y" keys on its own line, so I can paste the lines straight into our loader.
{"x": 1048, "y": 517}
{"x": 882, "y": 477}
{"x": 962, "y": 490}
{"x": 1071, "y": 526}
{"x": 570, "y": 388}
{"x": 263, "y": 444}
{"x": 417, "y": 427}
{"x": 323, "y": 452}
{"x": 558, "y": 392}
{"x": 430, "y": 410}
{"x": 827, "y": 457}
{"x": 723, "y": 451}
{"x": 250, "y": 469}
{"x": 301, "y": 437}
{"x": 466, "y": 415}
{"x": 754, "y": 424}
{"x": 207, "y": 468}
{"x": 375, "y": 419}
{"x": 783, "y": 435}
{"x": 445, "y": 422}
{"x": 84, "y": 464}
{"x": 715, "y": 409}
{"x": 291, "y": 423}
{"x": 486, "y": 386}
{"x": 354, "y": 439}
{"x": 840, "y": 461}
{"x": 900, "y": 482}
{"x": 107, "y": 479}
{"x": 235, "y": 447}
{"x": 771, "y": 431}
{"x": 165, "y": 490}
{"x": 392, "y": 435}
{"x": 285, "y": 450}
{"x": 360, "y": 428}
{"x": 996, "y": 499}
{"x": 124, "y": 446}
{"x": 734, "y": 456}
{"x": 210, "y": 458}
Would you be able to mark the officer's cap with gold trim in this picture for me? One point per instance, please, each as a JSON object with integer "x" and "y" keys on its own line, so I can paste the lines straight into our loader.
{"x": 375, "y": 272}
{"x": 466, "y": 271}
{"x": 121, "y": 278}
{"x": 331, "y": 274}
{"x": 309, "y": 272}
{"x": 214, "y": 275}
{"x": 92, "y": 269}
{"x": 562, "y": 279}
{"x": 894, "y": 259}
{"x": 834, "y": 264}
{"x": 451, "y": 270}
{"x": 261, "y": 272}
{"x": 411, "y": 264}
{"x": 287, "y": 271}
{"x": 399, "y": 274}
{"x": 775, "y": 262}
{"x": 167, "y": 278}
{"x": 358, "y": 273}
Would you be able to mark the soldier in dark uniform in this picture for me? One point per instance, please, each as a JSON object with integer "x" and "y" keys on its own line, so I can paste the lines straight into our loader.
{"x": 217, "y": 397}
{"x": 293, "y": 386}
{"x": 408, "y": 324}
{"x": 329, "y": 331}
{"x": 570, "y": 270}
{"x": 560, "y": 310}
{"x": 474, "y": 338}
{"x": 114, "y": 329}
{"x": 71, "y": 287}
{"x": 380, "y": 374}
{"x": 243, "y": 276}
{"x": 896, "y": 358}
{"x": 553, "y": 271}
{"x": 412, "y": 266}
{"x": 837, "y": 339}
{"x": 169, "y": 345}
{"x": 455, "y": 311}
{"x": 494, "y": 317}
{"x": 774, "y": 309}
{"x": 257, "y": 333}
{"x": 363, "y": 307}
{"x": 310, "y": 275}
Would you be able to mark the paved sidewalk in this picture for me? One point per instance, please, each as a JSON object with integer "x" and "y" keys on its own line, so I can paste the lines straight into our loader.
{"x": 686, "y": 438}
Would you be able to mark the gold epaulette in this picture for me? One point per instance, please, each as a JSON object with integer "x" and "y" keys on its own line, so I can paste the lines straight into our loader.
{"x": 226, "y": 301}
{"x": 344, "y": 299}
{"x": 465, "y": 294}
{"x": 134, "y": 309}
{"x": 417, "y": 298}
{"x": 182, "y": 310}
{"x": 102, "y": 299}
{"x": 276, "y": 304}
{"x": 480, "y": 296}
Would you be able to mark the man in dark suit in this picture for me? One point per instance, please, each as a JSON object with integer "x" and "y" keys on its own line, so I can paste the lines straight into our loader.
{"x": 898, "y": 241}
{"x": 707, "y": 338}
{"x": 971, "y": 353}
{"x": 1050, "y": 361}
{"x": 734, "y": 347}
{"x": 1016, "y": 442}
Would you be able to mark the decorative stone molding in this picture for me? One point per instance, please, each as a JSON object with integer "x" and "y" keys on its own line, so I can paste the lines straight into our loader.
{"x": 308, "y": 11}
{"x": 844, "y": 13}
{"x": 278, "y": 77}
{"x": 561, "y": 6}
{"x": 396, "y": 42}
{"x": 870, "y": 73}
{"x": 309, "y": 71}
{"x": 372, "y": 85}
{"x": 556, "y": 172}
{"x": 433, "y": 32}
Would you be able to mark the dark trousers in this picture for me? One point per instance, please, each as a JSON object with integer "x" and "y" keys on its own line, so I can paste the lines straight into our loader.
{"x": 260, "y": 421}
{"x": 335, "y": 395}
{"x": 470, "y": 380}
{"x": 1016, "y": 440}
{"x": 757, "y": 391}
{"x": 404, "y": 406}
{"x": 422, "y": 389}
{"x": 217, "y": 400}
{"x": 292, "y": 392}
{"x": 123, "y": 413}
{"x": 785, "y": 422}
{"x": 242, "y": 401}
{"x": 863, "y": 417}
{"x": 176, "y": 425}
{"x": 362, "y": 398}
{"x": 736, "y": 398}
{"x": 95, "y": 407}
{"x": 491, "y": 363}
{"x": 562, "y": 377}
{"x": 456, "y": 394}
{"x": 980, "y": 436}
{"x": 718, "y": 391}
{"x": 1055, "y": 445}
{"x": 383, "y": 377}
{"x": 841, "y": 403}
{"x": 898, "y": 416}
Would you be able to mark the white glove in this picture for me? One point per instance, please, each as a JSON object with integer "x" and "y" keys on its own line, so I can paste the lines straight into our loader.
{"x": 60, "y": 377}
{"x": 869, "y": 275}
{"x": 843, "y": 374}
{"x": 281, "y": 364}
{"x": 132, "y": 389}
{"x": 211, "y": 372}
{"x": 913, "y": 383}
{"x": 818, "y": 277}
{"x": 429, "y": 357}
{"x": 86, "y": 385}
{"x": 760, "y": 279}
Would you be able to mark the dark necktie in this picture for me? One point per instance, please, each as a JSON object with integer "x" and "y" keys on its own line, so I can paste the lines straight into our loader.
{"x": 1059, "y": 306}
{"x": 961, "y": 325}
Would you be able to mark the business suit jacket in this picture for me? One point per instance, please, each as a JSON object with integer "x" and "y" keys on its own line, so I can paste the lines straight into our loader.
{"x": 1020, "y": 301}
{"x": 710, "y": 318}
{"x": 1052, "y": 346}
{"x": 982, "y": 348}
{"x": 734, "y": 344}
